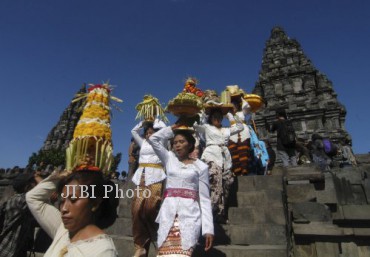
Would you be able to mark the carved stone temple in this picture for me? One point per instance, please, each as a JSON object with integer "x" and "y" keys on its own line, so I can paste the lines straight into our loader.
{"x": 62, "y": 133}
{"x": 289, "y": 80}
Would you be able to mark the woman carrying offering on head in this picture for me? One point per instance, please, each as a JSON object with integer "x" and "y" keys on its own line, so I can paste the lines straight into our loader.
{"x": 149, "y": 176}
{"x": 217, "y": 156}
{"x": 186, "y": 208}
{"x": 77, "y": 227}
{"x": 239, "y": 144}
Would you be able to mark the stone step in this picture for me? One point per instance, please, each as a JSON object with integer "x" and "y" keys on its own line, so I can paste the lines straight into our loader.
{"x": 124, "y": 209}
{"x": 349, "y": 194}
{"x": 366, "y": 186}
{"x": 256, "y": 234}
{"x": 328, "y": 195}
{"x": 243, "y": 251}
{"x": 264, "y": 199}
{"x": 246, "y": 234}
{"x": 356, "y": 212}
{"x": 328, "y": 231}
{"x": 256, "y": 215}
{"x": 304, "y": 173}
{"x": 125, "y": 248}
{"x": 5, "y": 182}
{"x": 307, "y": 212}
{"x": 301, "y": 193}
{"x": 257, "y": 183}
{"x": 363, "y": 158}
{"x": 121, "y": 227}
{"x": 224, "y": 234}
{"x": 354, "y": 175}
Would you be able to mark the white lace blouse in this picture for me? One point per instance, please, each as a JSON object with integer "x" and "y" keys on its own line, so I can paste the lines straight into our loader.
{"x": 50, "y": 220}
{"x": 244, "y": 134}
{"x": 216, "y": 142}
{"x": 193, "y": 215}
{"x": 147, "y": 156}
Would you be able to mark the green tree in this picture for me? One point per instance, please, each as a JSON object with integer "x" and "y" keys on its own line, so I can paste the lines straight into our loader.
{"x": 55, "y": 157}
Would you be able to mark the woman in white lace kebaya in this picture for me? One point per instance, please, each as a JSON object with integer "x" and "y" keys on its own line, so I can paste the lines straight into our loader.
{"x": 76, "y": 228}
{"x": 217, "y": 156}
{"x": 186, "y": 208}
{"x": 149, "y": 176}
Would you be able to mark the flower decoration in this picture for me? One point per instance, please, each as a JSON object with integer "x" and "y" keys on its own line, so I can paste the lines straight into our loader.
{"x": 91, "y": 145}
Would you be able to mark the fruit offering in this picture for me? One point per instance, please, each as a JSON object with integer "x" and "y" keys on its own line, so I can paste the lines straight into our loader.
{"x": 186, "y": 104}
{"x": 190, "y": 87}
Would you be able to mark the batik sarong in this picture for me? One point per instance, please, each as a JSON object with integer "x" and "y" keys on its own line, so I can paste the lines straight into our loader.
{"x": 240, "y": 155}
{"x": 219, "y": 182}
{"x": 144, "y": 211}
{"x": 172, "y": 245}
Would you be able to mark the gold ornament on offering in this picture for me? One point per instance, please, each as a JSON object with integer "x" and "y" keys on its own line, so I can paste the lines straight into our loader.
{"x": 149, "y": 108}
{"x": 255, "y": 101}
{"x": 91, "y": 146}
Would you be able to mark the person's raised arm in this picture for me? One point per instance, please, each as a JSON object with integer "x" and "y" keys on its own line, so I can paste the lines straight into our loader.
{"x": 238, "y": 127}
{"x": 37, "y": 199}
{"x": 201, "y": 127}
{"x": 135, "y": 134}
{"x": 158, "y": 124}
{"x": 157, "y": 142}
{"x": 246, "y": 108}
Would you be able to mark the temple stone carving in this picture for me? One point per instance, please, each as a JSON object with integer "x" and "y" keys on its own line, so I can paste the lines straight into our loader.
{"x": 289, "y": 80}
{"x": 62, "y": 133}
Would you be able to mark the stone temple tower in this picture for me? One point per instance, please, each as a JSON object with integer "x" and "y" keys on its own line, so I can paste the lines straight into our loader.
{"x": 62, "y": 133}
{"x": 289, "y": 80}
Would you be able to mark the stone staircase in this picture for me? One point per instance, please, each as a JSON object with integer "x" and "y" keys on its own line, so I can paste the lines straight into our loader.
{"x": 257, "y": 224}
{"x": 329, "y": 216}
{"x": 297, "y": 212}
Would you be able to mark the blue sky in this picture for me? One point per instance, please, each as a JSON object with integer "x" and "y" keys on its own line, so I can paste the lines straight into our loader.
{"x": 49, "y": 48}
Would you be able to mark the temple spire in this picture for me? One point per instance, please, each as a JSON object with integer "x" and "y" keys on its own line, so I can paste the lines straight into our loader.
{"x": 289, "y": 80}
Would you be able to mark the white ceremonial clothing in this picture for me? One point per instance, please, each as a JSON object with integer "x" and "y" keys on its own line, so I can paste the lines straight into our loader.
{"x": 216, "y": 142}
{"x": 50, "y": 220}
{"x": 193, "y": 215}
{"x": 147, "y": 156}
{"x": 244, "y": 134}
